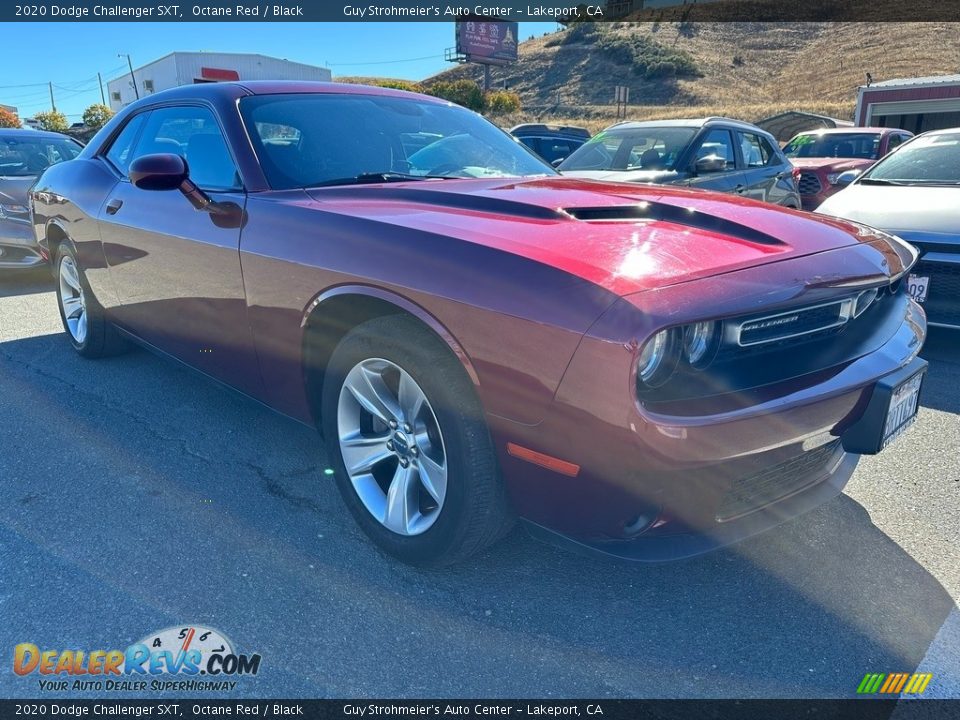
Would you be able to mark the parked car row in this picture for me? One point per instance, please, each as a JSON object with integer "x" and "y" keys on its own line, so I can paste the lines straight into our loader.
{"x": 644, "y": 371}
{"x": 915, "y": 194}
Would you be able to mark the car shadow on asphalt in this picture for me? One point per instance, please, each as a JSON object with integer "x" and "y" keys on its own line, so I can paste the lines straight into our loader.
{"x": 25, "y": 282}
{"x": 233, "y": 497}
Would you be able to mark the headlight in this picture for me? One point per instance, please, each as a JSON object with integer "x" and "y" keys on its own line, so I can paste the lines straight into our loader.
{"x": 833, "y": 177}
{"x": 652, "y": 355}
{"x": 658, "y": 358}
{"x": 698, "y": 341}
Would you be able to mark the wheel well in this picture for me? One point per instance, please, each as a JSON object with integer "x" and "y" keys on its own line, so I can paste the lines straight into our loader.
{"x": 327, "y": 325}
{"x": 55, "y": 236}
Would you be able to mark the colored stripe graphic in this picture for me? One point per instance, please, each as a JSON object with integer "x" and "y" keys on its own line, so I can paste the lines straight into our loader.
{"x": 894, "y": 683}
{"x": 870, "y": 683}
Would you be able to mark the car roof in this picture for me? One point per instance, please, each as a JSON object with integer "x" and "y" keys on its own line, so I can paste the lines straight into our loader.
{"x": 557, "y": 129}
{"x": 26, "y": 132}
{"x": 231, "y": 90}
{"x": 851, "y": 129}
{"x": 688, "y": 122}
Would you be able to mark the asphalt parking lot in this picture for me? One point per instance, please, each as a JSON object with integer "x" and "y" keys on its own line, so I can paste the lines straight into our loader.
{"x": 138, "y": 495}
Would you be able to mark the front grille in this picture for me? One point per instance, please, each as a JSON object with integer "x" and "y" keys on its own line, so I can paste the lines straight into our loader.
{"x": 943, "y": 296}
{"x": 794, "y": 323}
{"x": 809, "y": 183}
{"x": 777, "y": 482}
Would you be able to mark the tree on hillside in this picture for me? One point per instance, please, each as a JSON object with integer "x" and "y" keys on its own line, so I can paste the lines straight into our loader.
{"x": 53, "y": 120}
{"x": 96, "y": 116}
{"x": 8, "y": 119}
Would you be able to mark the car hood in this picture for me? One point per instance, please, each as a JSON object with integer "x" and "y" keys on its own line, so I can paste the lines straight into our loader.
{"x": 903, "y": 210}
{"x": 625, "y": 238}
{"x": 13, "y": 190}
{"x": 829, "y": 164}
{"x": 641, "y": 176}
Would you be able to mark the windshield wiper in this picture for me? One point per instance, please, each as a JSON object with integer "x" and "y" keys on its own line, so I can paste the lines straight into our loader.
{"x": 378, "y": 177}
{"x": 880, "y": 181}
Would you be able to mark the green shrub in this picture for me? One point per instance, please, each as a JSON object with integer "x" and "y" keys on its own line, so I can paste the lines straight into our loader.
{"x": 52, "y": 120}
{"x": 461, "y": 92}
{"x": 502, "y": 102}
{"x": 96, "y": 116}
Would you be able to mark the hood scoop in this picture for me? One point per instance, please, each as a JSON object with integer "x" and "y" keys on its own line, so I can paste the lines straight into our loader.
{"x": 663, "y": 212}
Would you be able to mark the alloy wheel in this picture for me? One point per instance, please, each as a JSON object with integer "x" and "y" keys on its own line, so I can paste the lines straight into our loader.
{"x": 392, "y": 447}
{"x": 72, "y": 300}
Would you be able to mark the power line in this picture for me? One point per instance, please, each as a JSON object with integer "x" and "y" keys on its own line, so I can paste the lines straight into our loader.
{"x": 386, "y": 62}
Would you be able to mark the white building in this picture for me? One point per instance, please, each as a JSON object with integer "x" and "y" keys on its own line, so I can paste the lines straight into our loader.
{"x": 187, "y": 68}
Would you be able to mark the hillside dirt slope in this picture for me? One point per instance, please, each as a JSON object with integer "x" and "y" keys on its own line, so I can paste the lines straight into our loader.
{"x": 748, "y": 70}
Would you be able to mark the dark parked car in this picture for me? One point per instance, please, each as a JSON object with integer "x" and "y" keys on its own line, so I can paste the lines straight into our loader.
{"x": 551, "y": 142}
{"x": 710, "y": 153}
{"x": 915, "y": 194}
{"x": 652, "y": 371}
{"x": 822, "y": 156}
{"x": 24, "y": 154}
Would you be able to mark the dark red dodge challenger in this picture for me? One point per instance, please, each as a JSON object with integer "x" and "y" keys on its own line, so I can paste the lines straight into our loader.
{"x": 647, "y": 372}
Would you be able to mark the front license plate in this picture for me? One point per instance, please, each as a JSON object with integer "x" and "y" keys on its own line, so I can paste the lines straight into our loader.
{"x": 903, "y": 409}
{"x": 917, "y": 287}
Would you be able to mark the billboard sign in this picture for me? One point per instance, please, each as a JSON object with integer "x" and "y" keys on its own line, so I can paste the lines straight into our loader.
{"x": 493, "y": 42}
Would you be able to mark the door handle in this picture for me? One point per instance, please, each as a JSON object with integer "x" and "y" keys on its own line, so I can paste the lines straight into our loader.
{"x": 113, "y": 206}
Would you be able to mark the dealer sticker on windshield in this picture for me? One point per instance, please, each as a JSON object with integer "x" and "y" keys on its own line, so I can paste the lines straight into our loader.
{"x": 917, "y": 287}
{"x": 903, "y": 409}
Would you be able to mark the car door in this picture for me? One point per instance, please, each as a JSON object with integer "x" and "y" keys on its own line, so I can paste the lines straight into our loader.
{"x": 719, "y": 142}
{"x": 176, "y": 270}
{"x": 764, "y": 172}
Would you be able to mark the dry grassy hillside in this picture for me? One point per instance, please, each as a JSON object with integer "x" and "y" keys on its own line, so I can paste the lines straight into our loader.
{"x": 747, "y": 70}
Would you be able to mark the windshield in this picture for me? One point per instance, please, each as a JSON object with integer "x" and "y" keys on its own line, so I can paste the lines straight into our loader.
{"x": 865, "y": 146}
{"x": 929, "y": 159}
{"x": 654, "y": 148}
{"x": 26, "y": 156}
{"x": 327, "y": 139}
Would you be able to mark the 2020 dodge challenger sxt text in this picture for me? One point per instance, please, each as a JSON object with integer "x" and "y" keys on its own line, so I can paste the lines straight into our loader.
{"x": 650, "y": 372}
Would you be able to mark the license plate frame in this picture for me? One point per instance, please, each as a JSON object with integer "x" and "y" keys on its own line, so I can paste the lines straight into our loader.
{"x": 891, "y": 409}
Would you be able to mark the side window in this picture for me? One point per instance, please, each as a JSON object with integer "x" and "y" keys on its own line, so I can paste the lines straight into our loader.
{"x": 120, "y": 152}
{"x": 193, "y": 134}
{"x": 756, "y": 150}
{"x": 720, "y": 143}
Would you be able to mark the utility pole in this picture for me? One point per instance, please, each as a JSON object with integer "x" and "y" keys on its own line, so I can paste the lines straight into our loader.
{"x": 133, "y": 78}
{"x": 53, "y": 105}
{"x": 103, "y": 99}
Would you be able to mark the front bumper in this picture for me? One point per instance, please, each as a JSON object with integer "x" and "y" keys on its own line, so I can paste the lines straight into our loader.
{"x": 18, "y": 247}
{"x": 657, "y": 486}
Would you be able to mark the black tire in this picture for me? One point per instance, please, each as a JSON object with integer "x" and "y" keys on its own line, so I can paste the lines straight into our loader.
{"x": 102, "y": 338}
{"x": 475, "y": 511}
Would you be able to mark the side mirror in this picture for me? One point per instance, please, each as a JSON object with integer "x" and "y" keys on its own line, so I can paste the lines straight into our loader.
{"x": 845, "y": 178}
{"x": 164, "y": 171}
{"x": 710, "y": 164}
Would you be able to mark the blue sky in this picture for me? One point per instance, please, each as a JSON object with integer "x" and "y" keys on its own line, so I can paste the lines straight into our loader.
{"x": 71, "y": 54}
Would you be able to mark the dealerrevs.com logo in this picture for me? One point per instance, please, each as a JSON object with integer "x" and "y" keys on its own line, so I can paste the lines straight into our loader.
{"x": 200, "y": 658}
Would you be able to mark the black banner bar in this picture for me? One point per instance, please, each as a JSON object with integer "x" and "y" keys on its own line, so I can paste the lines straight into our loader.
{"x": 512, "y": 10}
{"x": 853, "y": 709}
